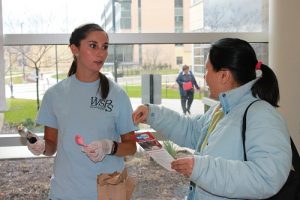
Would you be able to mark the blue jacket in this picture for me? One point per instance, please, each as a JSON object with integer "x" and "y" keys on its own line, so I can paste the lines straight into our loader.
{"x": 181, "y": 78}
{"x": 220, "y": 171}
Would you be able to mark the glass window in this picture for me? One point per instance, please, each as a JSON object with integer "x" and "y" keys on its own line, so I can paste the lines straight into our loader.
{"x": 27, "y": 65}
{"x": 179, "y": 60}
{"x": 124, "y": 53}
{"x": 22, "y": 75}
{"x": 55, "y": 16}
{"x": 234, "y": 16}
{"x": 125, "y": 23}
{"x": 179, "y": 19}
{"x": 178, "y": 11}
{"x": 136, "y": 15}
{"x": 198, "y": 51}
{"x": 198, "y": 61}
{"x": 179, "y": 3}
{"x": 24, "y": 64}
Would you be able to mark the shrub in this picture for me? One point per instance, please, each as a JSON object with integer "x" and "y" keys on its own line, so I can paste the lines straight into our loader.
{"x": 170, "y": 148}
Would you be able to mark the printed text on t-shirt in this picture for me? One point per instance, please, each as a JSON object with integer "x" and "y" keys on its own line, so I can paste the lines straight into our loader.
{"x": 103, "y": 104}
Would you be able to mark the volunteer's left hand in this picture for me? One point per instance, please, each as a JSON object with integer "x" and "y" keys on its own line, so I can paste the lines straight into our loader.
{"x": 184, "y": 165}
{"x": 97, "y": 150}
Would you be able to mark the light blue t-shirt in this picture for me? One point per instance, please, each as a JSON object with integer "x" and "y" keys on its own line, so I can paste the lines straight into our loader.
{"x": 75, "y": 107}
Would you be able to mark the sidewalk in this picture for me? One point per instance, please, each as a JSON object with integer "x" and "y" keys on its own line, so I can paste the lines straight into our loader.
{"x": 174, "y": 104}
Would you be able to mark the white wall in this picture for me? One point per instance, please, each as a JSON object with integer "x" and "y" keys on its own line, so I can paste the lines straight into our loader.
{"x": 284, "y": 52}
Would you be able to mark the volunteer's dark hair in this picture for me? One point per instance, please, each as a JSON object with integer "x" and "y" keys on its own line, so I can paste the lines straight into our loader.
{"x": 77, "y": 35}
{"x": 239, "y": 57}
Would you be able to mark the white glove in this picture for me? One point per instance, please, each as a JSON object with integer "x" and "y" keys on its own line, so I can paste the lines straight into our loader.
{"x": 97, "y": 150}
{"x": 38, "y": 147}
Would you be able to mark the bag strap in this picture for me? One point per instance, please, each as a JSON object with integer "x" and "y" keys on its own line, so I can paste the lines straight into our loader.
{"x": 295, "y": 154}
{"x": 244, "y": 128}
{"x": 295, "y": 157}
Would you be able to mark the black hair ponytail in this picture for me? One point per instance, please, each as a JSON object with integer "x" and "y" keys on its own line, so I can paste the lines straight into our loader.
{"x": 266, "y": 87}
{"x": 104, "y": 85}
{"x": 73, "y": 68}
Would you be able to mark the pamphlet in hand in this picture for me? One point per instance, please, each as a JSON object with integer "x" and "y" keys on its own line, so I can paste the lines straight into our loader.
{"x": 150, "y": 144}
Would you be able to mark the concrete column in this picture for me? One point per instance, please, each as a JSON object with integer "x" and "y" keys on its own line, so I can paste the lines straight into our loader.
{"x": 2, "y": 83}
{"x": 284, "y": 52}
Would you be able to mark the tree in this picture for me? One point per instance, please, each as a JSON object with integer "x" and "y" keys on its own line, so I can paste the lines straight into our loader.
{"x": 233, "y": 16}
{"x": 10, "y": 53}
{"x": 12, "y": 56}
{"x": 35, "y": 58}
{"x": 33, "y": 55}
{"x": 151, "y": 57}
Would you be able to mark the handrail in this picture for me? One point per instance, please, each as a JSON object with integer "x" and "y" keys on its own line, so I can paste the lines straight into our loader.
{"x": 137, "y": 38}
{"x": 7, "y": 140}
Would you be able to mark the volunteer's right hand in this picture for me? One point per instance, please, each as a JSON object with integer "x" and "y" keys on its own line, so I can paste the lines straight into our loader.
{"x": 97, "y": 150}
{"x": 38, "y": 147}
{"x": 140, "y": 114}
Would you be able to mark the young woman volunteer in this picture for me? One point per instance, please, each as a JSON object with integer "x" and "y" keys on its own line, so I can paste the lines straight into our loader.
{"x": 90, "y": 105}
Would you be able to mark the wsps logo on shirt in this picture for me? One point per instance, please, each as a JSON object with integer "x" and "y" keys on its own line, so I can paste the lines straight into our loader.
{"x": 103, "y": 104}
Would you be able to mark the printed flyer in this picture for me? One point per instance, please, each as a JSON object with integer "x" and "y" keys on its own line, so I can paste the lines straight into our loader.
{"x": 150, "y": 144}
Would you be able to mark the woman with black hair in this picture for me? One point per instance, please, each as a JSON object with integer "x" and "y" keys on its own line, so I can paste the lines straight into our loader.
{"x": 218, "y": 170}
{"x": 90, "y": 106}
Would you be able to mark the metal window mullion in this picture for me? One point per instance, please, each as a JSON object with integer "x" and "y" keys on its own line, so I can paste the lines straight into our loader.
{"x": 135, "y": 38}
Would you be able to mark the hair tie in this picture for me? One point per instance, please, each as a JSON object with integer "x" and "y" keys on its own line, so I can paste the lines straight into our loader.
{"x": 258, "y": 65}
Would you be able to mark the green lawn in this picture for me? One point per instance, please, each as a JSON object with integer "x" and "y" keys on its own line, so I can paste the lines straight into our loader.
{"x": 21, "y": 111}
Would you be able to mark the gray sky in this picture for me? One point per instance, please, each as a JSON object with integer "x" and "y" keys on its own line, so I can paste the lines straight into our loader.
{"x": 49, "y": 16}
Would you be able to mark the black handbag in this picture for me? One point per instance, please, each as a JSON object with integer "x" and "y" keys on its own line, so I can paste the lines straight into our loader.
{"x": 291, "y": 189}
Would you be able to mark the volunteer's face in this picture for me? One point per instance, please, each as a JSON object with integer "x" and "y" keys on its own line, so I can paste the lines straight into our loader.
{"x": 92, "y": 52}
{"x": 212, "y": 79}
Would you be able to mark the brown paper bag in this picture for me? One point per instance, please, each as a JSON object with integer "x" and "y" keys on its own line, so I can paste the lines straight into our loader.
{"x": 115, "y": 186}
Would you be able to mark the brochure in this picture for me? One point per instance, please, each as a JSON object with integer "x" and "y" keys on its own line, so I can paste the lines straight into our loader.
{"x": 150, "y": 144}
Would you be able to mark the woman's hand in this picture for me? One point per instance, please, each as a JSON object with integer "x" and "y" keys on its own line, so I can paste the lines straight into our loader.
{"x": 183, "y": 166}
{"x": 38, "y": 147}
{"x": 97, "y": 150}
{"x": 140, "y": 114}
